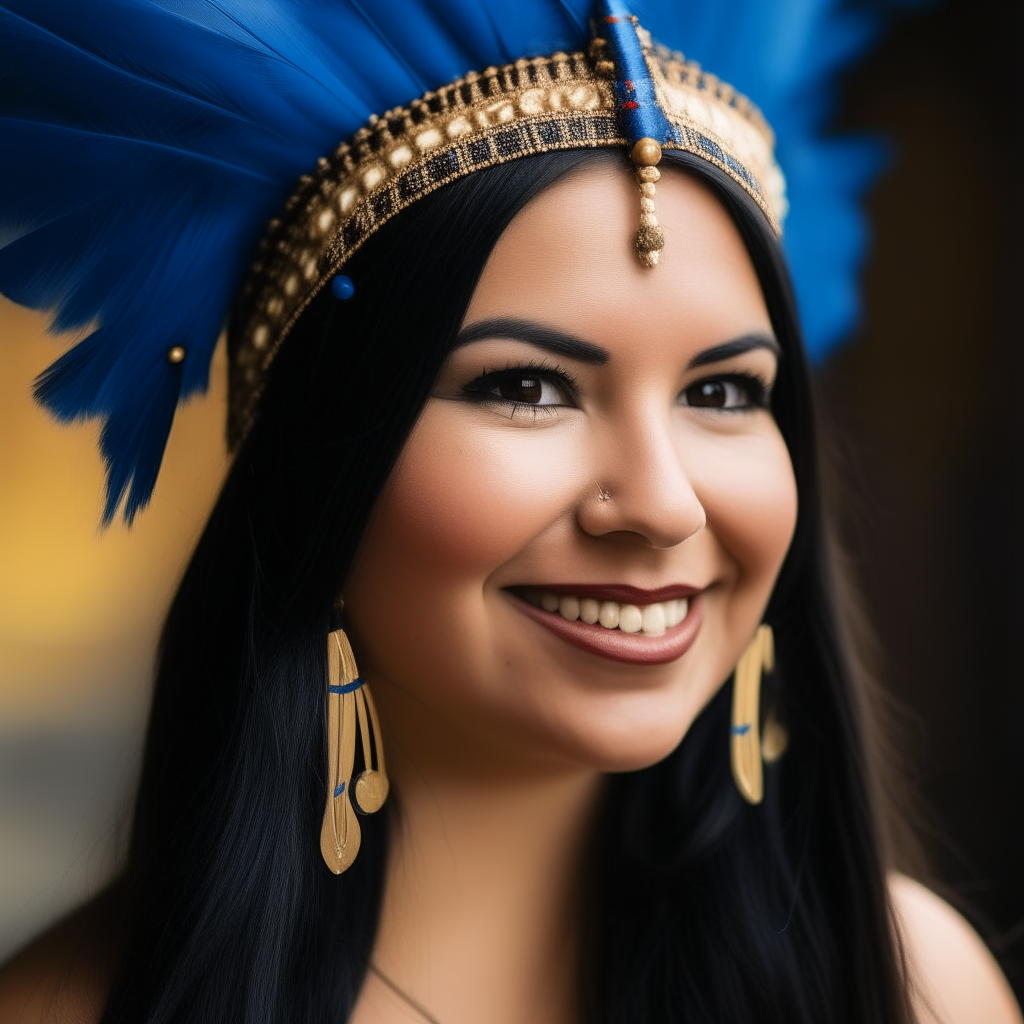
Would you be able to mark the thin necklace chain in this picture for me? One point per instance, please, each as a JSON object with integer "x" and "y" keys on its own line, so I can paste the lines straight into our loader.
{"x": 404, "y": 996}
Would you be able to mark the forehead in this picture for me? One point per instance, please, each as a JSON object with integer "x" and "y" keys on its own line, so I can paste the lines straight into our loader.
{"x": 568, "y": 259}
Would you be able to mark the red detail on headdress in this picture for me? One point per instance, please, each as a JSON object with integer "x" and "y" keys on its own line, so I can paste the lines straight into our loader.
{"x": 629, "y": 85}
{"x": 611, "y": 19}
{"x": 630, "y": 105}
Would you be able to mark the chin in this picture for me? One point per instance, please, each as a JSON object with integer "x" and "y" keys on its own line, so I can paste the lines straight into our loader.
{"x": 626, "y": 740}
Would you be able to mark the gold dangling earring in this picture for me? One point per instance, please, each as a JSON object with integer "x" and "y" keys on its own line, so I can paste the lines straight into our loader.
{"x": 745, "y": 746}
{"x": 348, "y": 702}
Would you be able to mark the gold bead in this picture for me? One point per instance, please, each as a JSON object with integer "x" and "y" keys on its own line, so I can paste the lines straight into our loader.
{"x": 648, "y": 174}
{"x": 646, "y": 153}
{"x": 650, "y": 240}
{"x": 650, "y": 237}
{"x": 605, "y": 68}
{"x": 176, "y": 355}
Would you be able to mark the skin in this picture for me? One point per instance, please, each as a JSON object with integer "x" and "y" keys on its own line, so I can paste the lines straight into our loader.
{"x": 498, "y": 731}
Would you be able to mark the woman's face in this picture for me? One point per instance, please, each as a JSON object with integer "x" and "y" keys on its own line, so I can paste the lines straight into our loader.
{"x": 599, "y": 446}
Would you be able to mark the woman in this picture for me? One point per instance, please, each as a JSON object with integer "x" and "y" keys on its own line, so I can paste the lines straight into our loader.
{"x": 529, "y": 426}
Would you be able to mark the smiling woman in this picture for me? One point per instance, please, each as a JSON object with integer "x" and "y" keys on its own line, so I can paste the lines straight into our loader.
{"x": 551, "y": 479}
{"x": 538, "y": 423}
{"x": 599, "y": 433}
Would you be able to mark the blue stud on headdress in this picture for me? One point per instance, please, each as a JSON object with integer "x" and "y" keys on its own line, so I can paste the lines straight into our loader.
{"x": 343, "y": 287}
{"x": 143, "y": 151}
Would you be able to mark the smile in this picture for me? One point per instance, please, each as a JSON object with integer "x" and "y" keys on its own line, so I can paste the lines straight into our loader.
{"x": 618, "y": 622}
{"x": 651, "y": 620}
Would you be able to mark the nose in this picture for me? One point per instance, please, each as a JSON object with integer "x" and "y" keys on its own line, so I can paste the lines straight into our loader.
{"x": 641, "y": 486}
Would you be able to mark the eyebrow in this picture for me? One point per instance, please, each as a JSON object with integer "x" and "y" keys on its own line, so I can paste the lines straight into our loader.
{"x": 563, "y": 344}
{"x": 736, "y": 347}
{"x": 544, "y": 337}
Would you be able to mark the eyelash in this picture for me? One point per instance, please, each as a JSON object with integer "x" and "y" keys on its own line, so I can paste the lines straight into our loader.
{"x": 481, "y": 389}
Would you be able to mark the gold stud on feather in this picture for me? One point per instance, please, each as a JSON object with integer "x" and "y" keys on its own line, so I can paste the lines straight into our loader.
{"x": 650, "y": 239}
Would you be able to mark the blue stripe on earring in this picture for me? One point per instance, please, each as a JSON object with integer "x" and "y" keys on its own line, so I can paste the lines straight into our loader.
{"x": 740, "y": 730}
{"x": 340, "y": 790}
{"x": 348, "y": 687}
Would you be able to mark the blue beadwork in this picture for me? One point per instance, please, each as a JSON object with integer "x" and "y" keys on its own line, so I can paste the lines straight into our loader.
{"x": 348, "y": 687}
{"x": 639, "y": 113}
{"x": 343, "y": 287}
{"x": 741, "y": 730}
{"x": 340, "y": 790}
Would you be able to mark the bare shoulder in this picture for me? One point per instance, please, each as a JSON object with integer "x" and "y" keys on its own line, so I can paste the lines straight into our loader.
{"x": 954, "y": 978}
{"x": 64, "y": 975}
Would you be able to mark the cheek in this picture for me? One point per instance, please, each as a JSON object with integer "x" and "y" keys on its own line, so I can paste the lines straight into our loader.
{"x": 461, "y": 501}
{"x": 749, "y": 494}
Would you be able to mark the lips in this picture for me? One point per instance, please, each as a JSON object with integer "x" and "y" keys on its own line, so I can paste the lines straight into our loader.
{"x": 623, "y": 623}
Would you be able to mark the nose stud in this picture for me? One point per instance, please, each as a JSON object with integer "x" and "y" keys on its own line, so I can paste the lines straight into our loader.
{"x": 602, "y": 494}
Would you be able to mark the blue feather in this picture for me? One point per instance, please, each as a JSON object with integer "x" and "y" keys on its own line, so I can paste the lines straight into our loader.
{"x": 144, "y": 144}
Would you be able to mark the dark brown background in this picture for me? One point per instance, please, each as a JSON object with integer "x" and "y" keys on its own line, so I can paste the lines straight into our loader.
{"x": 929, "y": 403}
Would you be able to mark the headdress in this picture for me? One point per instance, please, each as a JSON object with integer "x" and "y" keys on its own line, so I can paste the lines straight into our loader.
{"x": 146, "y": 145}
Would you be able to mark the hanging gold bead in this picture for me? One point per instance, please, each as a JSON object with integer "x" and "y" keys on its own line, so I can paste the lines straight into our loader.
{"x": 176, "y": 355}
{"x": 646, "y": 153}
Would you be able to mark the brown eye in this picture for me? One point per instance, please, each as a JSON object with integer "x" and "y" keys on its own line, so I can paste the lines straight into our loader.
{"x": 527, "y": 390}
{"x": 725, "y": 393}
{"x": 523, "y": 386}
{"x": 709, "y": 394}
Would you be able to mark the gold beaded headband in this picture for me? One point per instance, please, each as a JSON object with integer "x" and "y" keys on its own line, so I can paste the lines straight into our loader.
{"x": 611, "y": 96}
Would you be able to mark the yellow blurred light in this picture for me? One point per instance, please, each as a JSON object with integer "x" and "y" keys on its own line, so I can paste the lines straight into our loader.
{"x": 81, "y": 607}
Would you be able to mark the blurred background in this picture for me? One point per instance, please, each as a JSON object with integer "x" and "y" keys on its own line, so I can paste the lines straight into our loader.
{"x": 80, "y": 613}
{"x": 928, "y": 420}
{"x": 928, "y": 423}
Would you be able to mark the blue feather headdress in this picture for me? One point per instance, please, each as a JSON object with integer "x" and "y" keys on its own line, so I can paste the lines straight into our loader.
{"x": 145, "y": 145}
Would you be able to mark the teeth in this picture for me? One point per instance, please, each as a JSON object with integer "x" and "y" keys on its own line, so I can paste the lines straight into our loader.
{"x": 651, "y": 620}
{"x": 655, "y": 617}
{"x": 630, "y": 618}
{"x": 682, "y": 606}
{"x": 608, "y": 616}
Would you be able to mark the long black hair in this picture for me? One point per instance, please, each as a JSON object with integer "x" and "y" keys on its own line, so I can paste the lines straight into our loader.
{"x": 700, "y": 907}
